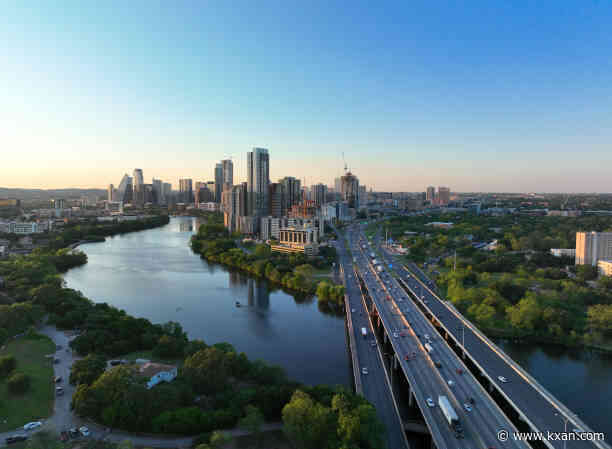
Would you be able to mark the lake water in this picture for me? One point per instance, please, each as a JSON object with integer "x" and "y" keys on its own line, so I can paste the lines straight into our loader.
{"x": 155, "y": 275}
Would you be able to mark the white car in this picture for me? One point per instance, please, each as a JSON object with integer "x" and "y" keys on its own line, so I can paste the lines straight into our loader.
{"x": 395, "y": 335}
{"x": 502, "y": 379}
{"x": 364, "y": 370}
{"x": 32, "y": 425}
{"x": 451, "y": 383}
{"x": 468, "y": 407}
{"x": 430, "y": 402}
{"x": 84, "y": 431}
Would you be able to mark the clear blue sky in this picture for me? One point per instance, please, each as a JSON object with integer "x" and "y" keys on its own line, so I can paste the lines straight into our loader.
{"x": 478, "y": 95}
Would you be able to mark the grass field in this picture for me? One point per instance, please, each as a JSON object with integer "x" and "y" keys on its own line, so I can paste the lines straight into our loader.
{"x": 37, "y": 403}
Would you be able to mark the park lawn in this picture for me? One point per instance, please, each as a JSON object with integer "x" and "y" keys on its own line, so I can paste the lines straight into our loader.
{"x": 37, "y": 403}
{"x": 148, "y": 355}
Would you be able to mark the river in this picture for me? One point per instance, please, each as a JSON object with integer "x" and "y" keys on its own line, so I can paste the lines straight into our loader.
{"x": 155, "y": 275}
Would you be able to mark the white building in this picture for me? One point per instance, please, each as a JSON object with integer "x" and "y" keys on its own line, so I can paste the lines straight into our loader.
{"x": 563, "y": 252}
{"x": 605, "y": 267}
{"x": 157, "y": 372}
{"x": 210, "y": 206}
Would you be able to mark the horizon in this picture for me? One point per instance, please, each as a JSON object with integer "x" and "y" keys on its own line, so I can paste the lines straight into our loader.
{"x": 478, "y": 97}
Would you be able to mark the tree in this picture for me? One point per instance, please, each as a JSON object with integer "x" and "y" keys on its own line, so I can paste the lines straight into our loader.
{"x": 169, "y": 347}
{"x": 252, "y": 422}
{"x": 526, "y": 314}
{"x": 309, "y": 424}
{"x": 600, "y": 318}
{"x": 218, "y": 439}
{"x": 18, "y": 383}
{"x": 87, "y": 370}
{"x": 206, "y": 370}
{"x": 7, "y": 364}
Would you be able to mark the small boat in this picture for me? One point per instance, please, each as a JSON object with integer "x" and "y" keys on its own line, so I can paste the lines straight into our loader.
{"x": 237, "y": 304}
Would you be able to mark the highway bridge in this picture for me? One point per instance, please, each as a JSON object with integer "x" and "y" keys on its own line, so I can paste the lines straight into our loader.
{"x": 530, "y": 401}
{"x": 429, "y": 375}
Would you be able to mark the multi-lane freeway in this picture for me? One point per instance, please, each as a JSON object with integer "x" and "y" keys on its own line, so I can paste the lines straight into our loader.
{"x": 407, "y": 327}
{"x": 535, "y": 405}
{"x": 374, "y": 384}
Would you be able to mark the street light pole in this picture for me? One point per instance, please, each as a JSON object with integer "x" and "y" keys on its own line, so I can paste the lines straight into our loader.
{"x": 565, "y": 421}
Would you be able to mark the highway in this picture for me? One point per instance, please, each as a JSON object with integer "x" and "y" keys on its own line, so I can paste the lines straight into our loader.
{"x": 374, "y": 384}
{"x": 542, "y": 413}
{"x": 407, "y": 326}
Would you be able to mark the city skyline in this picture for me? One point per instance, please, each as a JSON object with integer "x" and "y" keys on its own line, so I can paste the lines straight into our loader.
{"x": 482, "y": 97}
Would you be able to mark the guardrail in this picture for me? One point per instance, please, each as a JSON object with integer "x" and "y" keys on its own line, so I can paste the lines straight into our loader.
{"x": 352, "y": 343}
{"x": 572, "y": 418}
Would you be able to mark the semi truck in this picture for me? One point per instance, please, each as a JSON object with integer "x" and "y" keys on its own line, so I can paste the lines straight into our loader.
{"x": 364, "y": 332}
{"x": 428, "y": 347}
{"x": 451, "y": 417}
{"x": 379, "y": 268}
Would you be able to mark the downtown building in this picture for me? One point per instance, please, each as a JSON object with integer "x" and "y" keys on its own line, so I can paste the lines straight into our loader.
{"x": 258, "y": 180}
{"x": 349, "y": 185}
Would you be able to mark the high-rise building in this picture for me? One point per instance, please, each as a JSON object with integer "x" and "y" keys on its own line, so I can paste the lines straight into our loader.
{"x": 186, "y": 190}
{"x": 431, "y": 194}
{"x": 236, "y": 207}
{"x": 167, "y": 192}
{"x": 204, "y": 192}
{"x": 319, "y": 194}
{"x": 443, "y": 196}
{"x": 218, "y": 189}
{"x": 138, "y": 186}
{"x": 338, "y": 185}
{"x": 591, "y": 247}
{"x": 110, "y": 193}
{"x": 277, "y": 198}
{"x": 125, "y": 190}
{"x": 350, "y": 190}
{"x": 292, "y": 191}
{"x": 228, "y": 171}
{"x": 158, "y": 192}
{"x": 258, "y": 178}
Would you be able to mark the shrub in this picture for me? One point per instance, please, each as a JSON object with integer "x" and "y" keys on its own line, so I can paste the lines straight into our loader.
{"x": 18, "y": 383}
{"x": 7, "y": 364}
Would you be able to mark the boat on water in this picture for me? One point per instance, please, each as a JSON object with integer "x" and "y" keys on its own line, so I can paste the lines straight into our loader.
{"x": 238, "y": 304}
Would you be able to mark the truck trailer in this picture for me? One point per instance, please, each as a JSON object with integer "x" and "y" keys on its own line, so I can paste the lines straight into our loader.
{"x": 450, "y": 415}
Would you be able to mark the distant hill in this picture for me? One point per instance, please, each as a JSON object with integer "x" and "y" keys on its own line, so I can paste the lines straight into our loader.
{"x": 40, "y": 194}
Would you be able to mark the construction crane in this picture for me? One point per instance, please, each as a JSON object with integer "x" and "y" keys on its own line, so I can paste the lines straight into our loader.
{"x": 344, "y": 160}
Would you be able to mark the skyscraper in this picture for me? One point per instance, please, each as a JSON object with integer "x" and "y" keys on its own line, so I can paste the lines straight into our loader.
{"x": 431, "y": 194}
{"x": 125, "y": 191}
{"x": 138, "y": 186}
{"x": 292, "y": 191}
{"x": 110, "y": 193}
{"x": 350, "y": 190}
{"x": 443, "y": 196}
{"x": 277, "y": 198}
{"x": 158, "y": 193}
{"x": 258, "y": 179}
{"x": 318, "y": 194}
{"x": 228, "y": 171}
{"x": 186, "y": 190}
{"x": 218, "y": 182}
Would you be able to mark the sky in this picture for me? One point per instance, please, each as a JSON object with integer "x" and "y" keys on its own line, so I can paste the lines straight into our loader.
{"x": 487, "y": 95}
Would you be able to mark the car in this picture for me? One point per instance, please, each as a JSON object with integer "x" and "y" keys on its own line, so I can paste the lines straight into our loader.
{"x": 395, "y": 335}
{"x": 426, "y": 336}
{"x": 58, "y": 379}
{"x": 468, "y": 407}
{"x": 15, "y": 439}
{"x": 471, "y": 400}
{"x": 502, "y": 379}
{"x": 32, "y": 425}
{"x": 74, "y": 433}
{"x": 353, "y": 310}
{"x": 451, "y": 382}
{"x": 59, "y": 391}
{"x": 438, "y": 364}
{"x": 373, "y": 343}
{"x": 364, "y": 370}
{"x": 459, "y": 371}
{"x": 56, "y": 361}
{"x": 84, "y": 431}
{"x": 430, "y": 402}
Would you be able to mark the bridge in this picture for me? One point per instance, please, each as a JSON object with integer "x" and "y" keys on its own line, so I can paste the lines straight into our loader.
{"x": 532, "y": 406}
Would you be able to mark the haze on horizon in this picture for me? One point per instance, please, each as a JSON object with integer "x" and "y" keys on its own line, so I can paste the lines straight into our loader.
{"x": 478, "y": 96}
